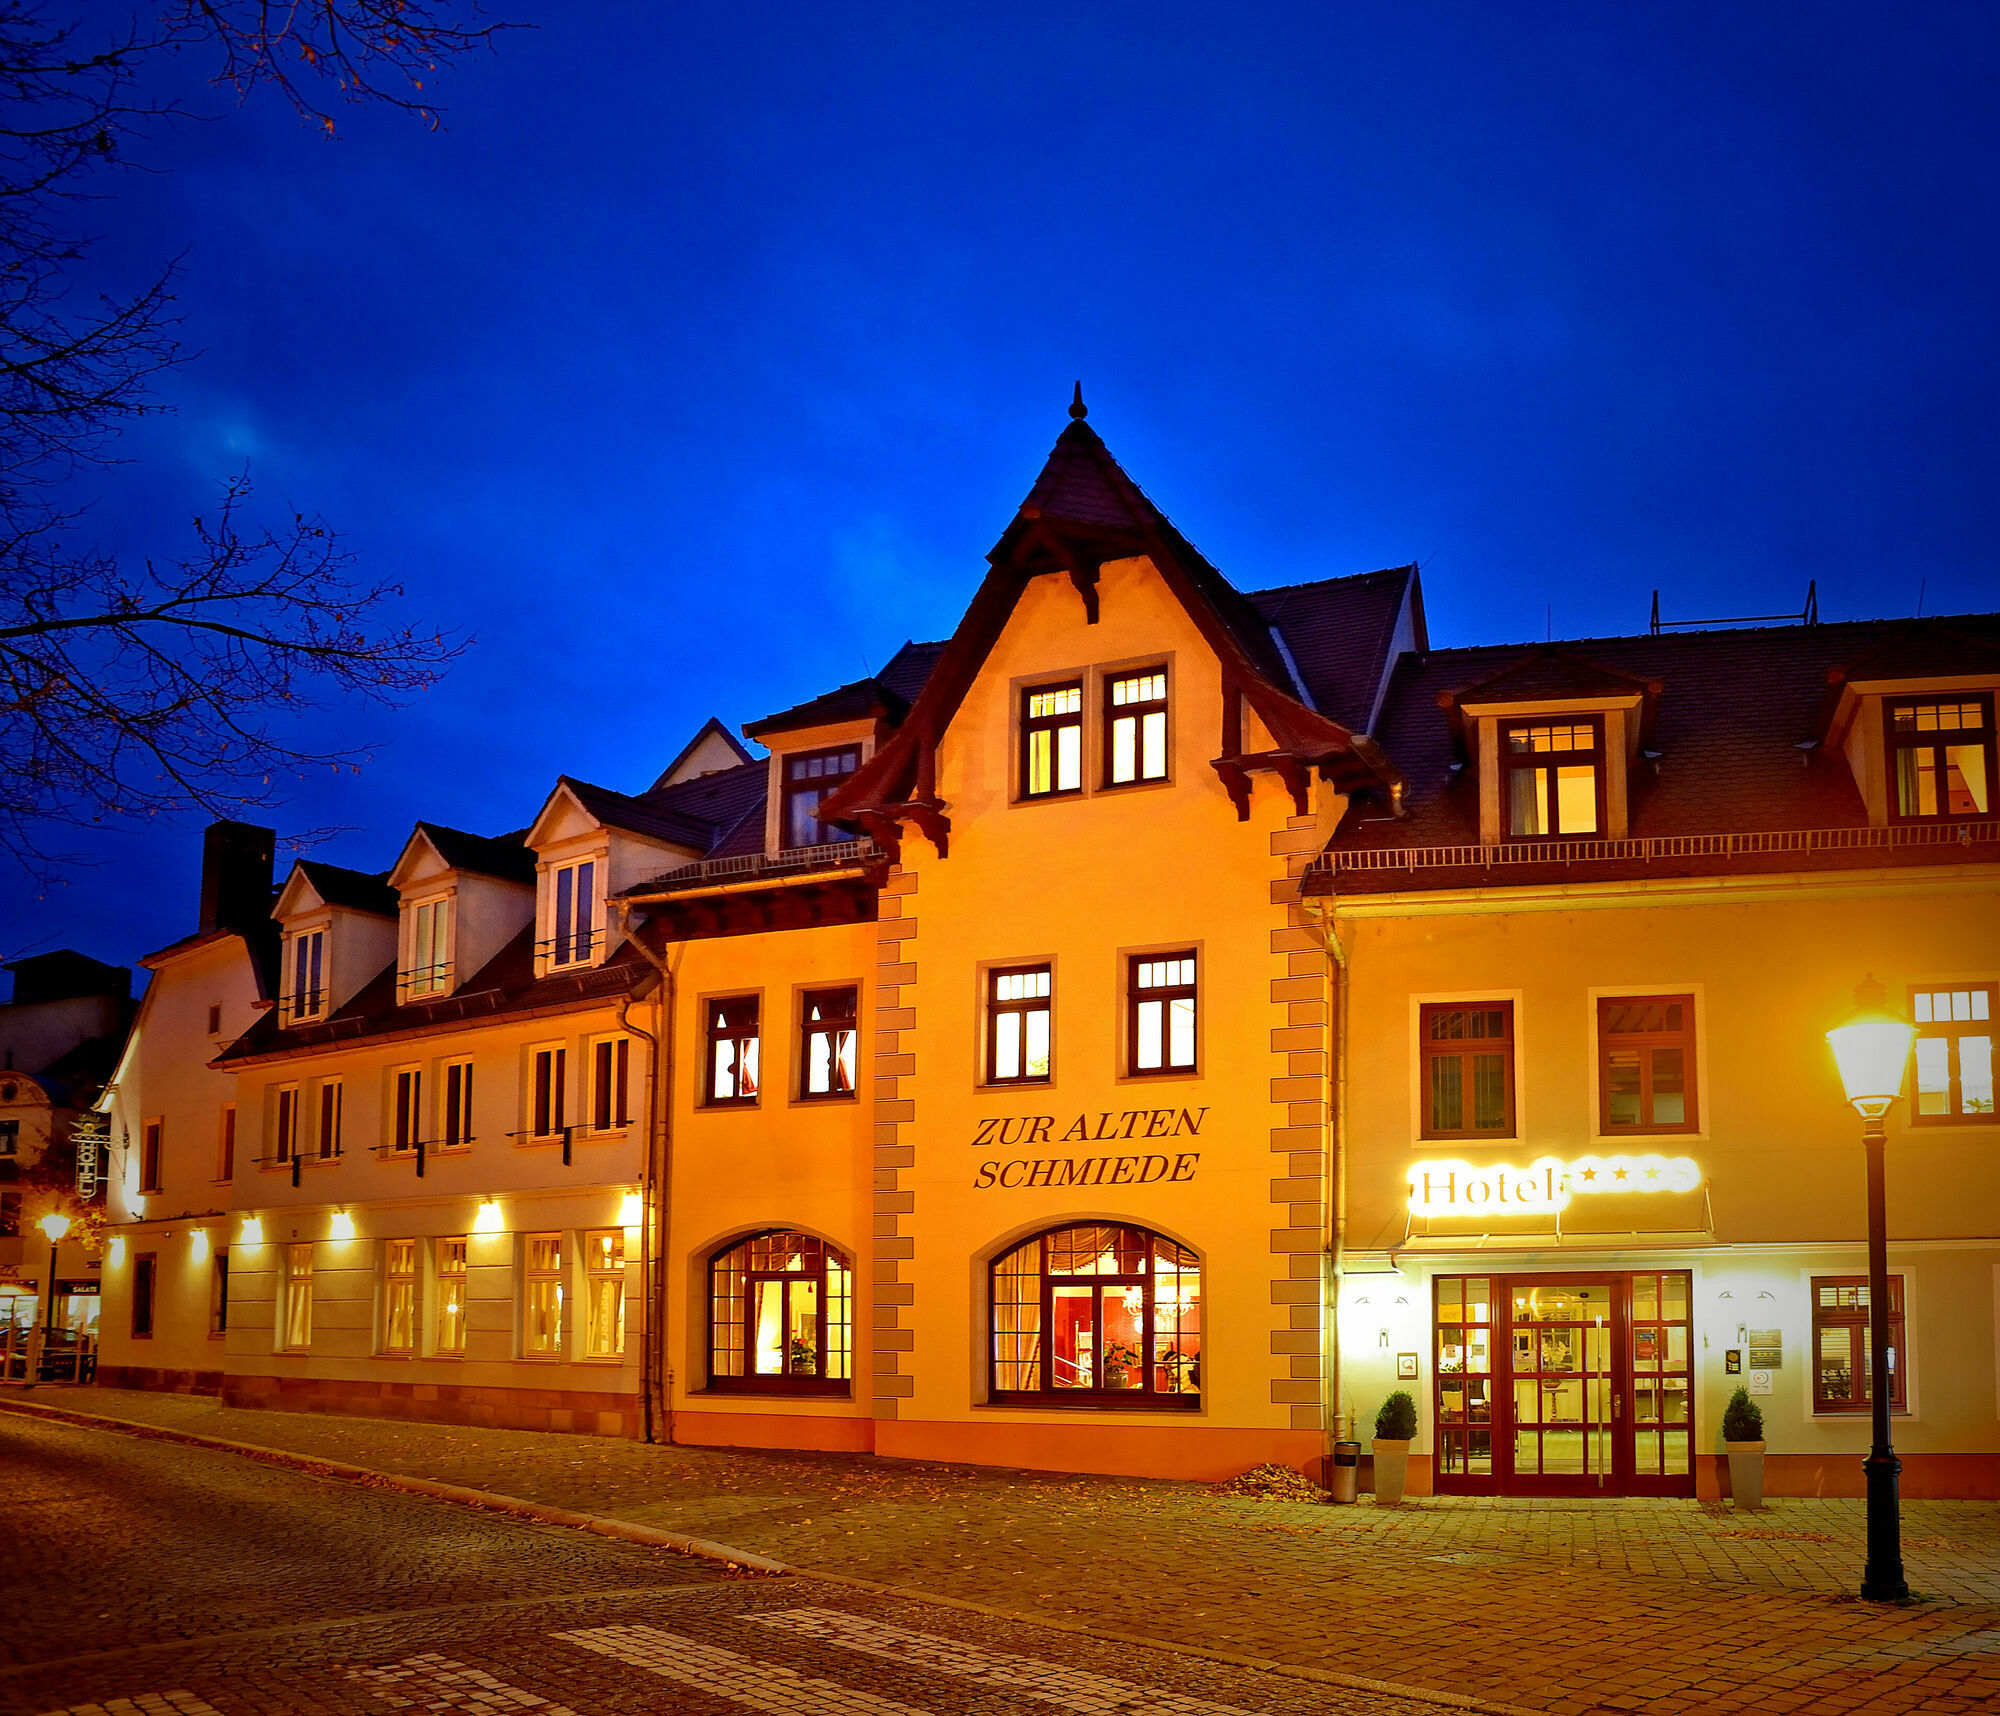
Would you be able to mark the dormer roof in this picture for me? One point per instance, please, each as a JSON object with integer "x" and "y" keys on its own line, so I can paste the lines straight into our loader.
{"x": 859, "y": 700}
{"x": 1551, "y": 674}
{"x": 712, "y": 738}
{"x": 1922, "y": 649}
{"x": 650, "y": 815}
{"x": 336, "y": 885}
{"x": 502, "y": 856}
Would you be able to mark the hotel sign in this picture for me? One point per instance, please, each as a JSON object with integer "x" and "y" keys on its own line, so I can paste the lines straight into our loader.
{"x": 1544, "y": 1186}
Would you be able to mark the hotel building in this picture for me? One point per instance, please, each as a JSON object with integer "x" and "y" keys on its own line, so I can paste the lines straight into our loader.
{"x": 1137, "y": 1034}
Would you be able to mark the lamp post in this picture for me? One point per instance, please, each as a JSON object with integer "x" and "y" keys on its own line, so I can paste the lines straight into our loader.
{"x": 1872, "y": 1049}
{"x": 54, "y": 1226}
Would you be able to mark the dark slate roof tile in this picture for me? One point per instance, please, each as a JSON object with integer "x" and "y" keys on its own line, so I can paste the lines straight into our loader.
{"x": 484, "y": 855}
{"x": 361, "y": 890}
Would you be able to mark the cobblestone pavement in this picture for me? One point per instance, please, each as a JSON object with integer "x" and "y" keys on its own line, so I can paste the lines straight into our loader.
{"x": 149, "y": 1577}
{"x": 1567, "y": 1607}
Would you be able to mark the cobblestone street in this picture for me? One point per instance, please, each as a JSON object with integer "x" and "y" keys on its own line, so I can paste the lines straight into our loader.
{"x": 1564, "y": 1607}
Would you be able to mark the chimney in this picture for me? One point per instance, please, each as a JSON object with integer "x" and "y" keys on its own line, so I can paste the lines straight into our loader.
{"x": 236, "y": 861}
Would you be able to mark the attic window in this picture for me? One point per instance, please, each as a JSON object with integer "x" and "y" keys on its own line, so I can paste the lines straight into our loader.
{"x": 809, "y": 778}
{"x": 1941, "y": 756}
{"x": 1136, "y": 728}
{"x": 575, "y": 913}
{"x": 308, "y": 962}
{"x": 1554, "y": 777}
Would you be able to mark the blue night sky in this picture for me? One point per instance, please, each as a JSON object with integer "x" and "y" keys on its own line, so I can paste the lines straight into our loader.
{"x": 696, "y": 364}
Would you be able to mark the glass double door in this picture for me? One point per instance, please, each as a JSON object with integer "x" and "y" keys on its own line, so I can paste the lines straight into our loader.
{"x": 1563, "y": 1385}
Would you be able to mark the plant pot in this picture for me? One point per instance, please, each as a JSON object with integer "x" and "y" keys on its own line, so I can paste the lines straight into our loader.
{"x": 1746, "y": 1473}
{"x": 1392, "y": 1467}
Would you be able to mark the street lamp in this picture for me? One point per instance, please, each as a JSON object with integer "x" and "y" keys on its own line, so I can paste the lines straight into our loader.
{"x": 54, "y": 1226}
{"x": 1872, "y": 1049}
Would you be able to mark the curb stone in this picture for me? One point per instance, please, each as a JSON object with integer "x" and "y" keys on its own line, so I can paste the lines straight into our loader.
{"x": 738, "y": 1560}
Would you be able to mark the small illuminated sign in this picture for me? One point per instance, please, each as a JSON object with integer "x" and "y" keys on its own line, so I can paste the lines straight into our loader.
{"x": 1544, "y": 1186}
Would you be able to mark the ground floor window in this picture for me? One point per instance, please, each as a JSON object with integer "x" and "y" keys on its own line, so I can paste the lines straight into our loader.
{"x": 144, "y": 1268}
{"x": 399, "y": 1296}
{"x": 1097, "y": 1315}
{"x": 451, "y": 1296}
{"x": 542, "y": 1295}
{"x": 1843, "y": 1376}
{"x": 295, "y": 1333}
{"x": 781, "y": 1316}
{"x": 604, "y": 1281}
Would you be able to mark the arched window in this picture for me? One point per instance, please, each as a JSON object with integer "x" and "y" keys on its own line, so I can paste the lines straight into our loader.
{"x": 780, "y": 1317}
{"x": 1100, "y": 1316}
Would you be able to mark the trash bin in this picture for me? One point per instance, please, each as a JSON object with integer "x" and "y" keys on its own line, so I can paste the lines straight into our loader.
{"x": 1345, "y": 1472}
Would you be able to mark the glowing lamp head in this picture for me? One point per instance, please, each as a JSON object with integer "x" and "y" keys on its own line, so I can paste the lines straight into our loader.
{"x": 55, "y": 1226}
{"x": 1872, "y": 1050}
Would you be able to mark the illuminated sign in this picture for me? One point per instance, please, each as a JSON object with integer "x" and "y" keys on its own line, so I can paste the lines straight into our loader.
{"x": 1544, "y": 1186}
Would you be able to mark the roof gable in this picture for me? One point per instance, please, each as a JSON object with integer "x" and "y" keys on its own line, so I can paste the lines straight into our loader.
{"x": 313, "y": 884}
{"x": 651, "y": 817}
{"x": 503, "y": 858}
{"x": 713, "y": 749}
{"x": 1551, "y": 674}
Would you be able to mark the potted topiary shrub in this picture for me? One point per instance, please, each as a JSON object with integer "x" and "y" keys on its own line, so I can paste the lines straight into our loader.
{"x": 1395, "y": 1430}
{"x": 1743, "y": 1441}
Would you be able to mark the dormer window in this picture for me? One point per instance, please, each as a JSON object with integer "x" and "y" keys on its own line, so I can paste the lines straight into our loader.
{"x": 307, "y": 968}
{"x": 1941, "y": 757}
{"x": 429, "y": 968}
{"x": 1554, "y": 777}
{"x": 575, "y": 914}
{"x": 1052, "y": 740}
{"x": 808, "y": 778}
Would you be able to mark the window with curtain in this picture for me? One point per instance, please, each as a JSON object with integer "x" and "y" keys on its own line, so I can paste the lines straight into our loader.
{"x": 827, "y": 1048}
{"x": 541, "y": 1295}
{"x": 1941, "y": 758}
{"x": 781, "y": 1317}
{"x": 451, "y": 1297}
{"x": 604, "y": 1289}
{"x": 1097, "y": 1315}
{"x": 295, "y": 1331}
{"x": 399, "y": 1295}
{"x": 1467, "y": 1055}
{"x": 1554, "y": 777}
{"x": 429, "y": 970}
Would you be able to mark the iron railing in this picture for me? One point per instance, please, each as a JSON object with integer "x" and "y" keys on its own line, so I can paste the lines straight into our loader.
{"x": 1750, "y": 844}
{"x": 750, "y": 866}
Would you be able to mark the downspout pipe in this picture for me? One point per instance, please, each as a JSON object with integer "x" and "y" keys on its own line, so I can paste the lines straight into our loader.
{"x": 656, "y": 1188}
{"x": 1319, "y": 917}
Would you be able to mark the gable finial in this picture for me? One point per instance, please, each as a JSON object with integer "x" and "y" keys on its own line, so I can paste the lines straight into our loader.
{"x": 1077, "y": 409}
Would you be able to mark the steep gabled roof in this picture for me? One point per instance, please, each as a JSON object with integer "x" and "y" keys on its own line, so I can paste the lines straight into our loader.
{"x": 1342, "y": 635}
{"x": 1082, "y": 511}
{"x": 358, "y": 890}
{"x": 712, "y": 732}
{"x": 909, "y": 667}
{"x": 652, "y": 815}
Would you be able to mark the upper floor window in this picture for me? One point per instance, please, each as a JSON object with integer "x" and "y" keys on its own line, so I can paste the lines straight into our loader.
{"x": 10, "y": 1137}
{"x": 1645, "y": 1063}
{"x": 225, "y": 1143}
{"x": 1467, "y": 1055}
{"x": 1161, "y": 1012}
{"x": 610, "y": 1084}
{"x": 732, "y": 1049}
{"x": 409, "y": 1108}
{"x": 149, "y": 1156}
{"x": 457, "y": 1104}
{"x": 330, "y": 1093}
{"x": 1052, "y": 740}
{"x": 574, "y": 918}
{"x": 1554, "y": 777}
{"x": 1017, "y": 1025}
{"x": 548, "y": 1101}
{"x": 1135, "y": 727}
{"x": 308, "y": 973}
{"x": 808, "y": 779}
{"x": 780, "y": 1317}
{"x": 1097, "y": 1316}
{"x": 1941, "y": 757}
{"x": 429, "y": 970}
{"x": 1954, "y": 1053}
{"x": 827, "y": 1046}
{"x": 1843, "y": 1375}
{"x": 285, "y": 1123}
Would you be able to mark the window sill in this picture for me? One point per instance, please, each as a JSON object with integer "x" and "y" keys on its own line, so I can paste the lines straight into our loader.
{"x": 826, "y": 1099}
{"x": 1166, "y": 1075}
{"x": 1172, "y": 1405}
{"x": 774, "y": 1388}
{"x": 727, "y": 1105}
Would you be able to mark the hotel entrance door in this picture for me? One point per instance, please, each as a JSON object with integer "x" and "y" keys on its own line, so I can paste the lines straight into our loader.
{"x": 1564, "y": 1385}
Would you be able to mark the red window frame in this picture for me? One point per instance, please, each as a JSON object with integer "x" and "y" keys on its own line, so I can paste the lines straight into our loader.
{"x": 1901, "y": 741}
{"x": 734, "y": 1271}
{"x": 828, "y": 1015}
{"x": 1434, "y": 1049}
{"x": 1053, "y": 724}
{"x": 734, "y": 1021}
{"x": 1646, "y": 1042}
{"x": 809, "y": 776}
{"x": 1513, "y": 764}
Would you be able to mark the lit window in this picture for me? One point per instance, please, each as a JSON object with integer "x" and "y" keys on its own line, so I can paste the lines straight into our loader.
{"x": 1135, "y": 729}
{"x": 827, "y": 1051}
{"x": 1467, "y": 1055}
{"x": 399, "y": 1295}
{"x": 1842, "y": 1372}
{"x": 330, "y": 1094}
{"x": 307, "y": 971}
{"x": 1097, "y": 1316}
{"x": 429, "y": 970}
{"x": 457, "y": 1104}
{"x": 1554, "y": 775}
{"x": 1645, "y": 1063}
{"x": 1017, "y": 1025}
{"x": 1052, "y": 740}
{"x": 547, "y": 1097}
{"x": 1161, "y": 1019}
{"x": 1954, "y": 1049}
{"x": 295, "y": 1331}
{"x": 809, "y": 778}
{"x": 610, "y": 1073}
{"x": 1941, "y": 755}
{"x": 451, "y": 1296}
{"x": 575, "y": 913}
{"x": 542, "y": 1295}
{"x": 732, "y": 1049}
{"x": 604, "y": 1285}
{"x": 781, "y": 1317}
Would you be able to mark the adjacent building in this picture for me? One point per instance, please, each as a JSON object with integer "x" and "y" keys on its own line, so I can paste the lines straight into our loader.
{"x": 1136, "y": 1034}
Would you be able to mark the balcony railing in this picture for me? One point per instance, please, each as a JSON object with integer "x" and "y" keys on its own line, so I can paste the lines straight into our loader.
{"x": 1540, "y": 853}
{"x": 753, "y": 866}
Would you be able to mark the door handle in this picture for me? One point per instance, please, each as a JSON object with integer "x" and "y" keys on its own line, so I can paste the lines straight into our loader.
{"x": 1617, "y": 1405}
